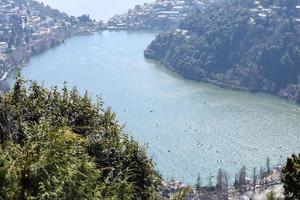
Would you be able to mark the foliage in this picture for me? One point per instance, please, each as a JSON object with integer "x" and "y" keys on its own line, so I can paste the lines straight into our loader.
{"x": 51, "y": 165}
{"x": 291, "y": 178}
{"x": 272, "y": 196}
{"x": 181, "y": 194}
{"x": 80, "y": 138}
{"x": 84, "y": 19}
{"x": 238, "y": 44}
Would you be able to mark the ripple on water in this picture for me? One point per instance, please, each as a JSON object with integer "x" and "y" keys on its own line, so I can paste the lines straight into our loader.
{"x": 193, "y": 127}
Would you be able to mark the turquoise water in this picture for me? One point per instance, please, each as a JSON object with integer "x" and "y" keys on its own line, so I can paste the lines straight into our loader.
{"x": 193, "y": 127}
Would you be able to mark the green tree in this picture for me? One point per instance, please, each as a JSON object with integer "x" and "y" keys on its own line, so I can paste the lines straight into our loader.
{"x": 199, "y": 184}
{"x": 51, "y": 165}
{"x": 222, "y": 185}
{"x": 268, "y": 165}
{"x": 216, "y": 46}
{"x": 254, "y": 178}
{"x": 124, "y": 170}
{"x": 240, "y": 179}
{"x": 291, "y": 178}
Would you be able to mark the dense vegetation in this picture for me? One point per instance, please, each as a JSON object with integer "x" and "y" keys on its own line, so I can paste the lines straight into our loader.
{"x": 60, "y": 145}
{"x": 291, "y": 178}
{"x": 242, "y": 44}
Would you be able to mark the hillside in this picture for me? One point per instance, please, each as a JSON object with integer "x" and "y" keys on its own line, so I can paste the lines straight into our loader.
{"x": 29, "y": 27}
{"x": 159, "y": 15}
{"x": 246, "y": 45}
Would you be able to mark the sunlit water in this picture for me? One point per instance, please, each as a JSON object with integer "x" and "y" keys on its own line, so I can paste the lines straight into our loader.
{"x": 190, "y": 127}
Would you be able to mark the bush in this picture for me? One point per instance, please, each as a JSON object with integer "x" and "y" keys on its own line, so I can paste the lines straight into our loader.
{"x": 61, "y": 145}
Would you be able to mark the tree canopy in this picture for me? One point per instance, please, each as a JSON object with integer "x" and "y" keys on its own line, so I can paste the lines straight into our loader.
{"x": 291, "y": 178}
{"x": 62, "y": 145}
{"x": 242, "y": 44}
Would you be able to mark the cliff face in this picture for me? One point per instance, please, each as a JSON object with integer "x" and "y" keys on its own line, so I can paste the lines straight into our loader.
{"x": 29, "y": 27}
{"x": 247, "y": 45}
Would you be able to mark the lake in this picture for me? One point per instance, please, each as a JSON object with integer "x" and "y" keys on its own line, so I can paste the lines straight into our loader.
{"x": 189, "y": 127}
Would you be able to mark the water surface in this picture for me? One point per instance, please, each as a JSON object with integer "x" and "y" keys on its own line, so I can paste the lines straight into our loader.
{"x": 190, "y": 127}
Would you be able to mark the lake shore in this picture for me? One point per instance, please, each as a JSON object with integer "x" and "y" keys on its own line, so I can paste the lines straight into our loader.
{"x": 263, "y": 186}
{"x": 288, "y": 94}
{"x": 224, "y": 121}
{"x": 19, "y": 57}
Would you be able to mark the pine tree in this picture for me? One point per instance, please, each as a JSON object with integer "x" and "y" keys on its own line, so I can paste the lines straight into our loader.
{"x": 291, "y": 178}
{"x": 254, "y": 178}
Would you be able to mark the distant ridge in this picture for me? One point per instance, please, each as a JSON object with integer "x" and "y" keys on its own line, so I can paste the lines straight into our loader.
{"x": 243, "y": 44}
{"x": 159, "y": 15}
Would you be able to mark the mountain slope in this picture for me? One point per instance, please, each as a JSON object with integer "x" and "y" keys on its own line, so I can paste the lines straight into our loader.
{"x": 28, "y": 27}
{"x": 159, "y": 15}
{"x": 241, "y": 44}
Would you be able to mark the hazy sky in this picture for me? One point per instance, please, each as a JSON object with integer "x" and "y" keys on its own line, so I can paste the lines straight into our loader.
{"x": 99, "y": 9}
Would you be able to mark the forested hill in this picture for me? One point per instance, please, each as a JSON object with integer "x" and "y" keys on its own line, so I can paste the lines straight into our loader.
{"x": 242, "y": 44}
{"x": 28, "y": 27}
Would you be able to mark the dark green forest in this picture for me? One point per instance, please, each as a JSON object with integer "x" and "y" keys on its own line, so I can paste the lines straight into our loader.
{"x": 291, "y": 178}
{"x": 241, "y": 44}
